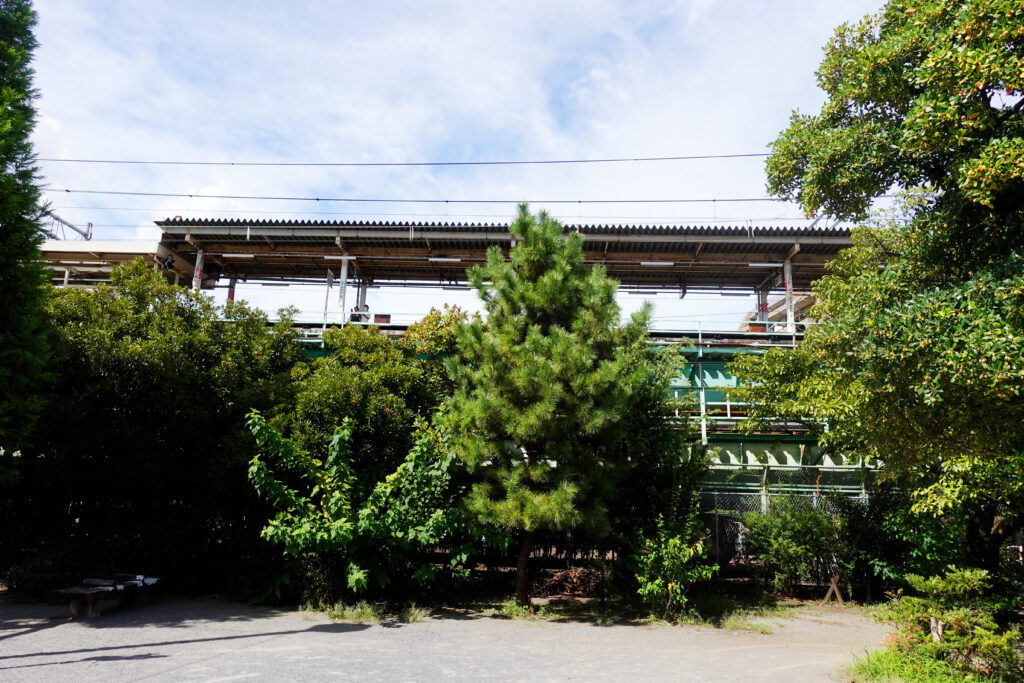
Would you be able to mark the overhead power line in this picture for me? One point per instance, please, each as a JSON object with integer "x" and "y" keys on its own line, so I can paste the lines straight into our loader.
{"x": 381, "y": 200}
{"x": 359, "y": 164}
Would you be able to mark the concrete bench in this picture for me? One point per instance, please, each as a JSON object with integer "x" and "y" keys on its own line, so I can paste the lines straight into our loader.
{"x": 127, "y": 589}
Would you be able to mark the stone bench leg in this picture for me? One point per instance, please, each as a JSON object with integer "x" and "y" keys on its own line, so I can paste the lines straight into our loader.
{"x": 84, "y": 607}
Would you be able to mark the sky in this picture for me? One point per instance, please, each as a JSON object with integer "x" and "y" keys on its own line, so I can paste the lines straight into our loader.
{"x": 425, "y": 81}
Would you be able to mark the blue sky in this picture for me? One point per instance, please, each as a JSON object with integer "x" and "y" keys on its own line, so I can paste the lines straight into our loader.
{"x": 414, "y": 81}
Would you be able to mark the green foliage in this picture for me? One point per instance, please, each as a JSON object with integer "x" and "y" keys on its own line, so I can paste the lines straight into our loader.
{"x": 433, "y": 339}
{"x": 551, "y": 388}
{"x": 378, "y": 384}
{"x": 790, "y": 539}
{"x": 143, "y": 447}
{"x": 951, "y": 624}
{"x": 920, "y": 359}
{"x": 319, "y": 521}
{"x": 547, "y": 386}
{"x": 381, "y": 540}
{"x": 417, "y": 506}
{"x": 670, "y": 564}
{"x": 891, "y": 665}
{"x": 377, "y": 612}
{"x": 371, "y": 525}
{"x": 23, "y": 281}
{"x": 915, "y": 98}
{"x": 885, "y": 539}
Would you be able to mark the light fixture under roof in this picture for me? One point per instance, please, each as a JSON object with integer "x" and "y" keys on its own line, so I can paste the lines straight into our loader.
{"x": 658, "y": 264}
{"x": 444, "y": 259}
{"x": 765, "y": 265}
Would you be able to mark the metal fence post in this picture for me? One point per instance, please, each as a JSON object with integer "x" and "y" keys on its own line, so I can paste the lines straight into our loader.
{"x": 718, "y": 545}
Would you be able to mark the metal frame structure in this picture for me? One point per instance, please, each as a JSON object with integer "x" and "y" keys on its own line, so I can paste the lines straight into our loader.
{"x": 89, "y": 262}
{"x": 418, "y": 254}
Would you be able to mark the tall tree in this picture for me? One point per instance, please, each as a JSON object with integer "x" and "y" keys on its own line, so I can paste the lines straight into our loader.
{"x": 546, "y": 388}
{"x": 142, "y": 450}
{"x": 23, "y": 348}
{"x": 921, "y": 355}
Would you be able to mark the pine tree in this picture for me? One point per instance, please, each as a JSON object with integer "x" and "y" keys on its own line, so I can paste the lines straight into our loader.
{"x": 23, "y": 347}
{"x": 545, "y": 387}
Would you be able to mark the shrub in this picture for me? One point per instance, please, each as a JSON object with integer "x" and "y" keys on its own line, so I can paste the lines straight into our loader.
{"x": 670, "y": 564}
{"x": 347, "y": 543}
{"x": 951, "y": 624}
{"x": 142, "y": 449}
{"x": 791, "y": 539}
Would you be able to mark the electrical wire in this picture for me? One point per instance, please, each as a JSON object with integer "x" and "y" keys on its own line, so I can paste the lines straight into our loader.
{"x": 449, "y": 216}
{"x": 365, "y": 164}
{"x": 379, "y": 200}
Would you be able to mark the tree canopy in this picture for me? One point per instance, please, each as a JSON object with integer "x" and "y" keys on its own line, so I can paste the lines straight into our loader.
{"x": 142, "y": 458}
{"x": 23, "y": 347}
{"x": 920, "y": 356}
{"x": 546, "y": 387}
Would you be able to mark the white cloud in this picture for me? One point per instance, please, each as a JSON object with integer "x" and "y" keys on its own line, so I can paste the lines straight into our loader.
{"x": 407, "y": 81}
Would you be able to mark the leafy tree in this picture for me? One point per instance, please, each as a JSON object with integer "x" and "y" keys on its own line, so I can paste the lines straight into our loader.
{"x": 377, "y": 540}
{"x": 23, "y": 345}
{"x": 433, "y": 340}
{"x": 370, "y": 380}
{"x": 142, "y": 453}
{"x": 547, "y": 387}
{"x": 353, "y": 504}
{"x": 920, "y": 360}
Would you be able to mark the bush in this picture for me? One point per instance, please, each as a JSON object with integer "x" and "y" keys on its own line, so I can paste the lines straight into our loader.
{"x": 884, "y": 539}
{"x": 950, "y": 623}
{"x": 792, "y": 540}
{"x": 142, "y": 449}
{"x": 670, "y": 564}
{"x": 348, "y": 544}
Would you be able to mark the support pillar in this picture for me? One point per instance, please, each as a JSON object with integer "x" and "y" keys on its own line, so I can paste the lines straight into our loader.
{"x": 762, "y": 305}
{"x": 197, "y": 274}
{"x": 703, "y": 404}
{"x": 363, "y": 284}
{"x": 231, "y": 286}
{"x": 342, "y": 286}
{"x": 327, "y": 300}
{"x": 67, "y": 276}
{"x": 787, "y": 276}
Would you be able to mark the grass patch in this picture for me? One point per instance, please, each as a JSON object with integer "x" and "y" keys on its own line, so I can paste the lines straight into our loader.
{"x": 742, "y": 609}
{"x": 412, "y": 614}
{"x": 376, "y": 612}
{"x": 741, "y": 621}
{"x": 598, "y": 612}
{"x": 733, "y": 606}
{"x": 891, "y": 666}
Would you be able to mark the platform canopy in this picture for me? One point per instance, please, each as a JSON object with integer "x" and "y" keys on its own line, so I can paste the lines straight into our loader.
{"x": 88, "y": 262}
{"x": 641, "y": 257}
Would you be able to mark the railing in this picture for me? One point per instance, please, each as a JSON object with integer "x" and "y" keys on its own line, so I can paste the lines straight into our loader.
{"x": 713, "y": 416}
{"x": 681, "y": 326}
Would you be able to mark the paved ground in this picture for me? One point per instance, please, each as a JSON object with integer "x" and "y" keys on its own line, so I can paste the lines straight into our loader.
{"x": 210, "y": 640}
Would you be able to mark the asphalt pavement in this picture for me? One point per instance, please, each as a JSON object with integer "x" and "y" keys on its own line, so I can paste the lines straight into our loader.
{"x": 211, "y": 640}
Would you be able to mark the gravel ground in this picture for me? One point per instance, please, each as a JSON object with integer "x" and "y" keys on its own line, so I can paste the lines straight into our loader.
{"x": 210, "y": 640}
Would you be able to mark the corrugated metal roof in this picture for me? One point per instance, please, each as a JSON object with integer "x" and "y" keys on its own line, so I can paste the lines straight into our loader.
{"x": 500, "y": 227}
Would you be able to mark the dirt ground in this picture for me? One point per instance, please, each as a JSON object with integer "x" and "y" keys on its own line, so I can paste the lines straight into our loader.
{"x": 213, "y": 640}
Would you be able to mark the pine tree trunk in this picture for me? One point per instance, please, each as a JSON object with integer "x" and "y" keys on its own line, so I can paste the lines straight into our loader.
{"x": 522, "y": 569}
